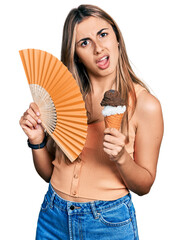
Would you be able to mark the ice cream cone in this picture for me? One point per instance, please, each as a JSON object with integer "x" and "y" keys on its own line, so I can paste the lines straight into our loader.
{"x": 113, "y": 121}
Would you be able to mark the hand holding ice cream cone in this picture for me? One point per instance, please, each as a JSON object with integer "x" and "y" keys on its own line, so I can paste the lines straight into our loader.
{"x": 113, "y": 112}
{"x": 114, "y": 109}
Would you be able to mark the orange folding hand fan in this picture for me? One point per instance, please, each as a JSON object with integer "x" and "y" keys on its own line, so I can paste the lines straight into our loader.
{"x": 59, "y": 99}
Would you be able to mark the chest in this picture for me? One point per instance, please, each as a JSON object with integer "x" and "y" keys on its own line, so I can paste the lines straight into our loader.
{"x": 94, "y": 109}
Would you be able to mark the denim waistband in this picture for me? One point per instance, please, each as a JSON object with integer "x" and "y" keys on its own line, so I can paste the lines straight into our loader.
{"x": 84, "y": 207}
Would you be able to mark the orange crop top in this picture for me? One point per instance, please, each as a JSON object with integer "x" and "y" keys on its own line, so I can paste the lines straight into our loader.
{"x": 93, "y": 175}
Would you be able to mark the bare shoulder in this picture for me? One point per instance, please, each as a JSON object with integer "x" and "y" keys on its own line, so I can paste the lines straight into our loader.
{"x": 148, "y": 105}
{"x": 149, "y": 121}
{"x": 148, "y": 115}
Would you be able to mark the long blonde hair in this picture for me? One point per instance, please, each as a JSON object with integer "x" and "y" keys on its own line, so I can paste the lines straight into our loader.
{"x": 125, "y": 76}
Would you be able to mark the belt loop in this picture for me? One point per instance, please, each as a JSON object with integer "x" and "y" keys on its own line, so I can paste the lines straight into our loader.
{"x": 129, "y": 200}
{"x": 52, "y": 199}
{"x": 94, "y": 210}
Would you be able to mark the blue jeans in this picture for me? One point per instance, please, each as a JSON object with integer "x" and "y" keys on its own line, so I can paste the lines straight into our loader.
{"x": 103, "y": 220}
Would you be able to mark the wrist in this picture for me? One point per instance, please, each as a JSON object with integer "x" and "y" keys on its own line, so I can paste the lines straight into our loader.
{"x": 124, "y": 156}
{"x": 37, "y": 140}
{"x": 36, "y": 145}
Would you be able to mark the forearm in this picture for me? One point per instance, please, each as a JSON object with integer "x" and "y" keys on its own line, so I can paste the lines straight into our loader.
{"x": 136, "y": 178}
{"x": 43, "y": 163}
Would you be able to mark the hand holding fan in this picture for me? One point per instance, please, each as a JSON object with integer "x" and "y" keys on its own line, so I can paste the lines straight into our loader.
{"x": 59, "y": 99}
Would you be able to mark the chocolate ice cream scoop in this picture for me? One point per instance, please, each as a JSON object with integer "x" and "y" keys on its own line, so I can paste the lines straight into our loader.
{"x": 112, "y": 98}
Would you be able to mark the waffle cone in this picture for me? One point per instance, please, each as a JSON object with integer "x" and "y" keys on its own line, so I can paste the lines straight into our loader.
{"x": 113, "y": 121}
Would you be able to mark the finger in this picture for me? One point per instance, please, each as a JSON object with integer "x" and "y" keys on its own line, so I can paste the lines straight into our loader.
{"x": 33, "y": 115}
{"x": 112, "y": 147}
{"x": 109, "y": 138}
{"x": 111, "y": 153}
{"x": 108, "y": 145}
{"x": 112, "y": 131}
{"x": 35, "y": 108}
{"x": 27, "y": 123}
{"x": 27, "y": 130}
{"x": 24, "y": 122}
{"x": 108, "y": 151}
{"x": 29, "y": 120}
{"x": 119, "y": 141}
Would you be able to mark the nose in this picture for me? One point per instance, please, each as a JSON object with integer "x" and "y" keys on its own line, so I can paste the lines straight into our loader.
{"x": 98, "y": 47}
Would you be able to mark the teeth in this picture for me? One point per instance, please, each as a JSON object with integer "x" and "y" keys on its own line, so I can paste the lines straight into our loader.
{"x": 102, "y": 58}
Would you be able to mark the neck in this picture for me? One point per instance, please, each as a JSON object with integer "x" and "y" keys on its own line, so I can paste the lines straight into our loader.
{"x": 99, "y": 85}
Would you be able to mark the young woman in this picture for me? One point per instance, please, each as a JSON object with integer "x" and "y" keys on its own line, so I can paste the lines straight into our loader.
{"x": 90, "y": 198}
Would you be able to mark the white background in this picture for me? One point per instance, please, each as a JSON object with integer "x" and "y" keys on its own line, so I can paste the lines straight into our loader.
{"x": 153, "y": 34}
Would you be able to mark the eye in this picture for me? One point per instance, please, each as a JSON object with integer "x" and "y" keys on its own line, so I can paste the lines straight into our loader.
{"x": 84, "y": 43}
{"x": 103, "y": 34}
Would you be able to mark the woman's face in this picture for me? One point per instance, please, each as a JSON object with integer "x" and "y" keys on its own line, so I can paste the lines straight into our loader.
{"x": 97, "y": 47}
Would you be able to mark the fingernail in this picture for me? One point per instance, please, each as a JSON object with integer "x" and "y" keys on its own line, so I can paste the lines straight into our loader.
{"x": 39, "y": 120}
{"x": 37, "y": 113}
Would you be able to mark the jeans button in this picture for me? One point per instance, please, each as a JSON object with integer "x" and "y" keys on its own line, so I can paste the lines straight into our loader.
{"x": 72, "y": 207}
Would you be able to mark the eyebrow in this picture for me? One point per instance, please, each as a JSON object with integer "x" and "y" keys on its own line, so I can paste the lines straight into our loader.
{"x": 98, "y": 33}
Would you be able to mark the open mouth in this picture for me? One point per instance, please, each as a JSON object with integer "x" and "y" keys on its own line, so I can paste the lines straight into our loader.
{"x": 103, "y": 62}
